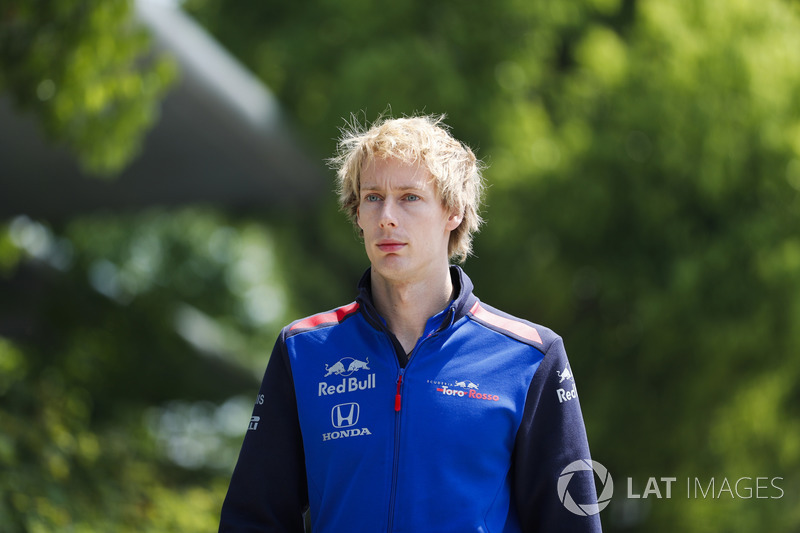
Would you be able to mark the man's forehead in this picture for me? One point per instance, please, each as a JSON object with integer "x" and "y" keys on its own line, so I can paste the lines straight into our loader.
{"x": 397, "y": 174}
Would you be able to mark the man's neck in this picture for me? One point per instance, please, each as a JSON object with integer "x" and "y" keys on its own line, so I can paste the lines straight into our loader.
{"x": 407, "y": 306}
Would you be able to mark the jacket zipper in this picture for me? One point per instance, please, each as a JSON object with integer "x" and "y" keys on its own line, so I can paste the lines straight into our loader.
{"x": 398, "y": 399}
{"x": 396, "y": 459}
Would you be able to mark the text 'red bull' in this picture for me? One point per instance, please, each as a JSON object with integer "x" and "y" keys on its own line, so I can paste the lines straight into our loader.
{"x": 347, "y": 385}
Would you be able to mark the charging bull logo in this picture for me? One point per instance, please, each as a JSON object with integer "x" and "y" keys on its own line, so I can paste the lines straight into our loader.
{"x": 343, "y": 368}
{"x": 566, "y": 374}
{"x": 565, "y": 395}
{"x": 346, "y": 366}
{"x": 358, "y": 365}
{"x": 337, "y": 369}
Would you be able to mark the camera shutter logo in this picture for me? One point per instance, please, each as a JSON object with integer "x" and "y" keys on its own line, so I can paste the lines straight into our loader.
{"x": 345, "y": 415}
{"x": 585, "y": 509}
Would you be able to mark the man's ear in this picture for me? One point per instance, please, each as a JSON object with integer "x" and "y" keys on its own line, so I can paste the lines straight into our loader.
{"x": 454, "y": 220}
{"x": 358, "y": 217}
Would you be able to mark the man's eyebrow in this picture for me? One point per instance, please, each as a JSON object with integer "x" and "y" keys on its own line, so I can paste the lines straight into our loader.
{"x": 371, "y": 187}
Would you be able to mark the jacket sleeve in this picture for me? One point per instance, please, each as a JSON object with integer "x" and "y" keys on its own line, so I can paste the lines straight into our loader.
{"x": 551, "y": 437}
{"x": 268, "y": 490}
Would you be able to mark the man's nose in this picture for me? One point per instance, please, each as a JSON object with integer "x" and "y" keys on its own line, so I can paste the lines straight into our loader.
{"x": 387, "y": 215}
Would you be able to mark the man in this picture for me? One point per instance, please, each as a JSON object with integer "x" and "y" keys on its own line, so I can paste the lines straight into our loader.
{"x": 417, "y": 407}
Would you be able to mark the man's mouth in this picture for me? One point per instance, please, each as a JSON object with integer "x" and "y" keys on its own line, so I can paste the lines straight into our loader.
{"x": 390, "y": 245}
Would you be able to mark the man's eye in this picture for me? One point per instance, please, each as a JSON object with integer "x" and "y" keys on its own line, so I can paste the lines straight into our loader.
{"x": 412, "y": 197}
{"x": 371, "y": 198}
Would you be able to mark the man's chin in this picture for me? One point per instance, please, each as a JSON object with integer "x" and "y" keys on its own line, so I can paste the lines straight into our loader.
{"x": 393, "y": 267}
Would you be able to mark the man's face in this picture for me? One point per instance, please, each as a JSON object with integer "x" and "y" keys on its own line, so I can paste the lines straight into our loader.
{"x": 406, "y": 227}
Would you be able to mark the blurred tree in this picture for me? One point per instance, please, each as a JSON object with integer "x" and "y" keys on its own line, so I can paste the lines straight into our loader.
{"x": 326, "y": 60}
{"x": 128, "y": 341}
{"x": 645, "y": 168}
{"x": 654, "y": 184}
{"x": 84, "y": 68}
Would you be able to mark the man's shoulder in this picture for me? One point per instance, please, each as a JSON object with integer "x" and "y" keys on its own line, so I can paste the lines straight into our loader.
{"x": 325, "y": 319}
{"x": 521, "y": 330}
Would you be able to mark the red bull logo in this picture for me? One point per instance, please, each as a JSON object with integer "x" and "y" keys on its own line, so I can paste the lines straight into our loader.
{"x": 337, "y": 369}
{"x": 346, "y": 366}
{"x": 350, "y": 384}
{"x": 567, "y": 395}
{"x": 343, "y": 368}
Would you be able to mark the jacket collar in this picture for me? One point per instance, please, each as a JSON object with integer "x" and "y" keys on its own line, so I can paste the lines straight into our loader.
{"x": 457, "y": 309}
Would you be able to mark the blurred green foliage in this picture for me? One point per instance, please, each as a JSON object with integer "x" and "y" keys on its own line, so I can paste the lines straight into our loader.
{"x": 644, "y": 202}
{"x": 139, "y": 344}
{"x": 656, "y": 182}
{"x": 84, "y": 68}
{"x": 107, "y": 410}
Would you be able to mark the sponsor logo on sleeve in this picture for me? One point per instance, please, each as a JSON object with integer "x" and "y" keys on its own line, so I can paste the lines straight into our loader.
{"x": 566, "y": 374}
{"x": 565, "y": 395}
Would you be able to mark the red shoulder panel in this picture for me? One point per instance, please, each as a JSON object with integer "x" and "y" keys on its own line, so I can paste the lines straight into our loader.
{"x": 517, "y": 328}
{"x": 331, "y": 317}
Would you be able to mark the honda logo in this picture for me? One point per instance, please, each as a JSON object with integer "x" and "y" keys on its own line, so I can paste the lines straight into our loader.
{"x": 345, "y": 415}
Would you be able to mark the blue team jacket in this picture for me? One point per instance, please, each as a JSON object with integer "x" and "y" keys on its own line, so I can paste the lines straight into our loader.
{"x": 468, "y": 433}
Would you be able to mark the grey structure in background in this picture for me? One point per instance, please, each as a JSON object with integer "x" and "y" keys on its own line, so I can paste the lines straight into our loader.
{"x": 220, "y": 140}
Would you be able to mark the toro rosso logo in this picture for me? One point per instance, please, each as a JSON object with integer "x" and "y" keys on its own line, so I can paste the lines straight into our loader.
{"x": 346, "y": 366}
{"x": 456, "y": 390}
{"x": 343, "y": 368}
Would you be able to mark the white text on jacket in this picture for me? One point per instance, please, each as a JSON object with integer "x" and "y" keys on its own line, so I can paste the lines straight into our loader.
{"x": 347, "y": 385}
